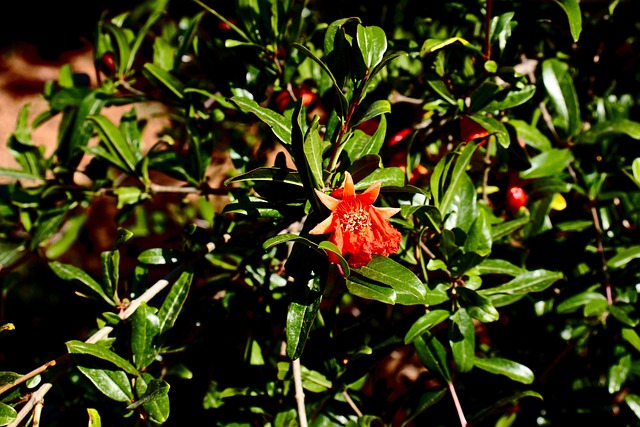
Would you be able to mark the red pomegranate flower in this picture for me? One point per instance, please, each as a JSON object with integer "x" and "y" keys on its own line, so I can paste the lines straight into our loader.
{"x": 358, "y": 228}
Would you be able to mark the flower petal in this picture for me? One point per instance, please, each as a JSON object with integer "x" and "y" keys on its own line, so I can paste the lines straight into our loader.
{"x": 349, "y": 189}
{"x": 327, "y": 200}
{"x": 386, "y": 213}
{"x": 323, "y": 227}
{"x": 370, "y": 194}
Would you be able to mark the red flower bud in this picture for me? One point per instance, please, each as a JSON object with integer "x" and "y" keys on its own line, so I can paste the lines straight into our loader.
{"x": 516, "y": 198}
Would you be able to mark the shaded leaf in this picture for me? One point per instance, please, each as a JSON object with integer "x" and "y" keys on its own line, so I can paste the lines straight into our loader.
{"x": 424, "y": 323}
{"x": 508, "y": 368}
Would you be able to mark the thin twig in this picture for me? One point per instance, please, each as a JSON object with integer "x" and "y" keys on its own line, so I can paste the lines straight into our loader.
{"x": 297, "y": 381}
{"x": 351, "y": 403}
{"x": 36, "y": 399}
{"x": 456, "y": 402}
{"x": 487, "y": 30}
{"x": 603, "y": 259}
{"x": 33, "y": 373}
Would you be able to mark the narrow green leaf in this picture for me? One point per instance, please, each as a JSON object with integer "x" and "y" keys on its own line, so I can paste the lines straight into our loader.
{"x": 69, "y": 272}
{"x": 559, "y": 85}
{"x": 633, "y": 402}
{"x": 275, "y": 174}
{"x": 607, "y": 128}
{"x": 288, "y": 237}
{"x": 153, "y": 396}
{"x": 457, "y": 176}
{"x": 99, "y": 351}
{"x": 314, "y": 381}
{"x": 506, "y": 228}
{"x": 115, "y": 142}
{"x": 618, "y": 374}
{"x": 433, "y": 355}
{"x": 140, "y": 36}
{"x": 172, "y": 304}
{"x": 424, "y": 323}
{"x": 330, "y": 247}
{"x": 479, "y": 237}
{"x": 425, "y": 401}
{"x": 478, "y": 306}
{"x": 462, "y": 338}
{"x": 122, "y": 43}
{"x": 494, "y": 127}
{"x": 572, "y": 9}
{"x": 280, "y": 126}
{"x": 623, "y": 257}
{"x": 370, "y": 290}
{"x": 313, "y": 153}
{"x": 159, "y": 256}
{"x": 632, "y": 337}
{"x": 529, "y": 281}
{"x": 578, "y": 301}
{"x": 432, "y": 45}
{"x": 499, "y": 266}
{"x": 531, "y": 135}
{"x": 548, "y": 164}
{"x": 388, "y": 272}
{"x": 301, "y": 315}
{"x": 508, "y": 368}
{"x": 17, "y": 174}
{"x": 512, "y": 98}
{"x": 623, "y": 313}
{"x": 145, "y": 327}
{"x": 167, "y": 79}
{"x": 377, "y": 108}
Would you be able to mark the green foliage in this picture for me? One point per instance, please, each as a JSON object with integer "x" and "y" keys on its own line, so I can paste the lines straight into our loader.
{"x": 214, "y": 243}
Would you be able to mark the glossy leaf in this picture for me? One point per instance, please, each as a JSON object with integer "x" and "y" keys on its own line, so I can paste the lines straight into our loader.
{"x": 372, "y": 42}
{"x": 114, "y": 384}
{"x": 559, "y": 85}
{"x": 624, "y": 256}
{"x": 572, "y": 9}
{"x": 172, "y": 304}
{"x": 159, "y": 256}
{"x": 116, "y": 143}
{"x": 453, "y": 182}
{"x": 425, "y": 323}
{"x": 280, "y": 126}
{"x": 633, "y": 402}
{"x": 363, "y": 288}
{"x": 462, "y": 338}
{"x": 301, "y": 315}
{"x": 531, "y": 135}
{"x": 386, "y": 271}
{"x": 618, "y": 374}
{"x": 499, "y": 266}
{"x": 153, "y": 396}
{"x": 632, "y": 337}
{"x": 94, "y": 418}
{"x": 7, "y": 414}
{"x": 273, "y": 174}
{"x": 494, "y": 127}
{"x": 166, "y": 78}
{"x": 433, "y": 355}
{"x": 70, "y": 272}
{"x": 478, "y": 306}
{"x": 313, "y": 147}
{"x": 101, "y": 352}
{"x": 548, "y": 164}
{"x": 508, "y": 368}
{"x": 578, "y": 301}
{"x": 145, "y": 328}
{"x": 529, "y": 281}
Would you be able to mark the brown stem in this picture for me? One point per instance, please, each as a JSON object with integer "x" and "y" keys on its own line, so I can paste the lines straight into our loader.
{"x": 603, "y": 259}
{"x": 351, "y": 403}
{"x": 33, "y": 373}
{"x": 487, "y": 31}
{"x": 36, "y": 401}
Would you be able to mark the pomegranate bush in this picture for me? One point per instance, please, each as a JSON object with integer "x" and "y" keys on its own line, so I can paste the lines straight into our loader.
{"x": 401, "y": 214}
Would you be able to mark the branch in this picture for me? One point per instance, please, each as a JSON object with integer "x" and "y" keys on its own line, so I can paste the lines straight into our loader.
{"x": 456, "y": 402}
{"x": 297, "y": 380}
{"x": 36, "y": 399}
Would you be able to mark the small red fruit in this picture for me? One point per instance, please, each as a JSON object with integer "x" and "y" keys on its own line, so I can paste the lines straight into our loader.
{"x": 470, "y": 130}
{"x": 284, "y": 99}
{"x": 369, "y": 126}
{"x": 399, "y": 136}
{"x": 516, "y": 198}
{"x": 109, "y": 62}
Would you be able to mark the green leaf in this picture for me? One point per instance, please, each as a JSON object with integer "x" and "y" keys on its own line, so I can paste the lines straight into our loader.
{"x": 433, "y": 355}
{"x": 94, "y": 418}
{"x": 424, "y": 323}
{"x": 140, "y": 36}
{"x": 314, "y": 381}
{"x": 287, "y": 237}
{"x": 479, "y": 237}
{"x": 388, "y": 177}
{"x": 153, "y": 395}
{"x": 327, "y": 246}
{"x": 172, "y": 304}
{"x": 508, "y": 368}
{"x": 498, "y": 266}
{"x": 69, "y": 272}
{"x": 372, "y": 42}
{"x": 559, "y": 85}
{"x": 610, "y": 127}
{"x": 116, "y": 143}
{"x": 370, "y": 290}
{"x": 580, "y": 300}
{"x": 527, "y": 282}
{"x": 313, "y": 146}
{"x": 455, "y": 181}
{"x": 512, "y": 98}
{"x": 633, "y": 402}
{"x": 386, "y": 271}
{"x": 17, "y": 174}
{"x": 99, "y": 351}
{"x": 494, "y": 127}
{"x": 478, "y": 306}
{"x": 7, "y": 414}
{"x": 145, "y": 328}
{"x": 619, "y": 373}
{"x": 114, "y": 384}
{"x": 166, "y": 78}
{"x": 622, "y": 312}
{"x": 280, "y": 126}
{"x": 425, "y": 401}
{"x": 301, "y": 315}
{"x": 632, "y": 337}
{"x": 548, "y": 164}
{"x": 377, "y": 108}
{"x": 531, "y": 135}
{"x": 462, "y": 338}
{"x": 432, "y": 45}
{"x": 122, "y": 43}
{"x": 159, "y": 256}
{"x": 273, "y": 174}
{"x": 572, "y": 9}
{"x": 623, "y": 257}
